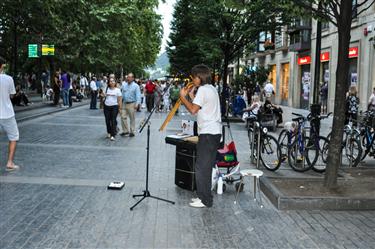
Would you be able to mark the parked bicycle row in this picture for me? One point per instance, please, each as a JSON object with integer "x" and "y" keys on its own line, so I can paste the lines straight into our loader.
{"x": 302, "y": 147}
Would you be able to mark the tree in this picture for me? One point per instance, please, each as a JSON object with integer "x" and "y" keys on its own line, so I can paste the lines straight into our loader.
{"x": 340, "y": 13}
{"x": 95, "y": 35}
{"x": 216, "y": 32}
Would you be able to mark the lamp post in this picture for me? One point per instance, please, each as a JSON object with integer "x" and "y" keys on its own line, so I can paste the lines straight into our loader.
{"x": 315, "y": 106}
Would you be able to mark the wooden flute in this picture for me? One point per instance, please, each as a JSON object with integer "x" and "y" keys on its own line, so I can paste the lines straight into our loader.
{"x": 174, "y": 109}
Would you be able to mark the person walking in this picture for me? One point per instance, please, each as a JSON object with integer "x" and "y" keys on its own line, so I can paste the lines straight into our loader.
{"x": 94, "y": 93}
{"x": 7, "y": 116}
{"x": 131, "y": 98}
{"x": 65, "y": 85}
{"x": 150, "y": 91}
{"x": 206, "y": 104}
{"x": 56, "y": 88}
{"x": 112, "y": 106}
{"x": 352, "y": 105}
{"x": 174, "y": 93}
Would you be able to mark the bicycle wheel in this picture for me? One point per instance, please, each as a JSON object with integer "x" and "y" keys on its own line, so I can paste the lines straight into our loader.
{"x": 353, "y": 150}
{"x": 270, "y": 152}
{"x": 284, "y": 144}
{"x": 321, "y": 162}
{"x": 365, "y": 149}
{"x": 302, "y": 154}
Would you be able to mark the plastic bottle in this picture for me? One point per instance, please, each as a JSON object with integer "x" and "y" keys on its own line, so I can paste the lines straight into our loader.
{"x": 220, "y": 185}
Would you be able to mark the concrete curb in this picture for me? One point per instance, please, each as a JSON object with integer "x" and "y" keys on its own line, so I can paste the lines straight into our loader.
{"x": 49, "y": 112}
{"x": 283, "y": 202}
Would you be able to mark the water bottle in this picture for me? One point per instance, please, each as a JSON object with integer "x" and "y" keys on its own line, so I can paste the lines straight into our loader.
{"x": 220, "y": 185}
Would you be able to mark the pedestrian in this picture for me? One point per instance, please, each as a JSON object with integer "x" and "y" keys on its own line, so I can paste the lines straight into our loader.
{"x": 174, "y": 93}
{"x": 371, "y": 101}
{"x": 166, "y": 97}
{"x": 94, "y": 93}
{"x": 7, "y": 117}
{"x": 268, "y": 90}
{"x": 131, "y": 98}
{"x": 206, "y": 104}
{"x": 158, "y": 94}
{"x": 324, "y": 96}
{"x": 150, "y": 89}
{"x": 56, "y": 86}
{"x": 112, "y": 106}
{"x": 65, "y": 85}
{"x": 352, "y": 105}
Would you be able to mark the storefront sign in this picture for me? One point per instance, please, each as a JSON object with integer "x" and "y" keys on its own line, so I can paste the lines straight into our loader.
{"x": 304, "y": 60}
{"x": 324, "y": 56}
{"x": 353, "y": 52}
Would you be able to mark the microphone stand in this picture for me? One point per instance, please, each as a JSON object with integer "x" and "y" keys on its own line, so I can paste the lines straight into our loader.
{"x": 146, "y": 192}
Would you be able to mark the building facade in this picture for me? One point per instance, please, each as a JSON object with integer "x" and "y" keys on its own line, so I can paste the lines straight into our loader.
{"x": 291, "y": 60}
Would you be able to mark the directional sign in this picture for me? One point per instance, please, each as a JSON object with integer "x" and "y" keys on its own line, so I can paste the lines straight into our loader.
{"x": 33, "y": 50}
{"x": 48, "y": 49}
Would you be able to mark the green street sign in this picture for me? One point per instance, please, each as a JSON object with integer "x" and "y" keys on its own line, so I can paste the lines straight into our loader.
{"x": 33, "y": 50}
{"x": 48, "y": 49}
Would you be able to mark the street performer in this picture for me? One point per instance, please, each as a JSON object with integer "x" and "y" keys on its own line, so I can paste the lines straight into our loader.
{"x": 206, "y": 105}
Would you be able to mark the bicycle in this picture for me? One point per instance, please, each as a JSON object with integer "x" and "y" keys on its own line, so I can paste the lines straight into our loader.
{"x": 300, "y": 149}
{"x": 351, "y": 145}
{"x": 367, "y": 134}
{"x": 269, "y": 149}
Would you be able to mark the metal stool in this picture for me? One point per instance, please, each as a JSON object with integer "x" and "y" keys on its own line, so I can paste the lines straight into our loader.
{"x": 256, "y": 174}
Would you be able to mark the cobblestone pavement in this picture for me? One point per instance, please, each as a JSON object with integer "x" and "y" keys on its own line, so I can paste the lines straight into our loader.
{"x": 59, "y": 198}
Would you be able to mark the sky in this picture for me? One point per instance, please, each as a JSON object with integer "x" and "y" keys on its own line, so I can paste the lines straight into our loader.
{"x": 166, "y": 11}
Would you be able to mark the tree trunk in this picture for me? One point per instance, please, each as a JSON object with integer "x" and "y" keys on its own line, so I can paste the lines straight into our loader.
{"x": 335, "y": 146}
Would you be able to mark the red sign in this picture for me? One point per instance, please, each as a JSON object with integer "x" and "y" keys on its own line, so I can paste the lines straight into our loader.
{"x": 353, "y": 52}
{"x": 304, "y": 60}
{"x": 324, "y": 56}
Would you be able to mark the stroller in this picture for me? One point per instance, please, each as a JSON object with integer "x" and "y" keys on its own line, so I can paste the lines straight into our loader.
{"x": 227, "y": 166}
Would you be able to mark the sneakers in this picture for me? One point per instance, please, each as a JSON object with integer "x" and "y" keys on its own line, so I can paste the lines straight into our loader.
{"x": 112, "y": 138}
{"x": 197, "y": 204}
{"x": 195, "y": 199}
{"x": 108, "y": 135}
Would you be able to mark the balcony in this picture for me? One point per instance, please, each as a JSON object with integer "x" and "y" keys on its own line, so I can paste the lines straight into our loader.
{"x": 300, "y": 35}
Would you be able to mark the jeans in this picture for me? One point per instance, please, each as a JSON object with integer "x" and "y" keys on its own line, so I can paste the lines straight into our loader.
{"x": 65, "y": 96}
{"x": 110, "y": 113}
{"x": 150, "y": 101}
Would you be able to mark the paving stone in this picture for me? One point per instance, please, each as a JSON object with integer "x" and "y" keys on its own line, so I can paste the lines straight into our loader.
{"x": 59, "y": 198}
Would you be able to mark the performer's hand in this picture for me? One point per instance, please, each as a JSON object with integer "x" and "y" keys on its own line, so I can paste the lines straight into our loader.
{"x": 183, "y": 92}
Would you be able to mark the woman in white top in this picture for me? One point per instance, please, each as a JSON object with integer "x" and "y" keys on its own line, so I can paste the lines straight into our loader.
{"x": 112, "y": 106}
{"x": 252, "y": 111}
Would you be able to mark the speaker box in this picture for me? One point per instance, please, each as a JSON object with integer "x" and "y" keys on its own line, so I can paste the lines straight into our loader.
{"x": 185, "y": 168}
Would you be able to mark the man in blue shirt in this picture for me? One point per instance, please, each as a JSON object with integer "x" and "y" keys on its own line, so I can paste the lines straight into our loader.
{"x": 65, "y": 80}
{"x": 131, "y": 97}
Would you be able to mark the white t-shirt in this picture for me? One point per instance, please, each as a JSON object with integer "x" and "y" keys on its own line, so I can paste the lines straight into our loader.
{"x": 6, "y": 88}
{"x": 209, "y": 116}
{"x": 268, "y": 88}
{"x": 93, "y": 86}
{"x": 111, "y": 96}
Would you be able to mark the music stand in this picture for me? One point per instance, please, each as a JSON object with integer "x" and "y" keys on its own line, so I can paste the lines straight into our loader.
{"x": 146, "y": 192}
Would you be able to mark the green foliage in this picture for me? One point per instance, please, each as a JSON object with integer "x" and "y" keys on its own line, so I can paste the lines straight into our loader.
{"x": 89, "y": 35}
{"x": 249, "y": 78}
{"x": 216, "y": 32}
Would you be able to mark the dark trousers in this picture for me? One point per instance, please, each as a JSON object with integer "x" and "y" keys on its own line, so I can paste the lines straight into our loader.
{"x": 94, "y": 95}
{"x": 70, "y": 97}
{"x": 206, "y": 156}
{"x": 150, "y": 101}
{"x": 110, "y": 113}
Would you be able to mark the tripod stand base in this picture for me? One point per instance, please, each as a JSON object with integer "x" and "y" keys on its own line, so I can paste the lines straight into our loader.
{"x": 145, "y": 194}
